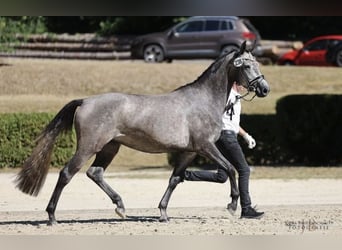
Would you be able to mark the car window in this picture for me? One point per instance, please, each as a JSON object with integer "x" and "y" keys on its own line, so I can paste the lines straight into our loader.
{"x": 194, "y": 26}
{"x": 212, "y": 25}
{"x": 317, "y": 45}
{"x": 226, "y": 25}
{"x": 333, "y": 42}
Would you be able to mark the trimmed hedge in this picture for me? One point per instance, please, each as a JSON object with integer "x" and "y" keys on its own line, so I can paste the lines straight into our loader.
{"x": 267, "y": 151}
{"x": 310, "y": 127}
{"x": 17, "y": 139}
{"x": 305, "y": 131}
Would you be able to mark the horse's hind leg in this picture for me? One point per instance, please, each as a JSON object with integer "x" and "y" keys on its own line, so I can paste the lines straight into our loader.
{"x": 65, "y": 175}
{"x": 177, "y": 176}
{"x": 234, "y": 193}
{"x": 95, "y": 172}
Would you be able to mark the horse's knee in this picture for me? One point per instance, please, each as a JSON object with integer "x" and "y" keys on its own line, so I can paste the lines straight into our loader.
{"x": 95, "y": 174}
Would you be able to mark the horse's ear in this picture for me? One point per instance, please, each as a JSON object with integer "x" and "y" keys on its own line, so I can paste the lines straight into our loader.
{"x": 242, "y": 48}
{"x": 253, "y": 46}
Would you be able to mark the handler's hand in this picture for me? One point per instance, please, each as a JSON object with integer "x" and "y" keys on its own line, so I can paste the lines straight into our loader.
{"x": 250, "y": 140}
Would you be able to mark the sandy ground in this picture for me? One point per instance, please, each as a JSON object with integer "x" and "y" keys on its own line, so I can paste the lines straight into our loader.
{"x": 292, "y": 207}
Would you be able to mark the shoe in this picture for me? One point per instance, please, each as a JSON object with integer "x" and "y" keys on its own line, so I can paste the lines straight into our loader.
{"x": 186, "y": 175}
{"x": 251, "y": 213}
{"x": 183, "y": 176}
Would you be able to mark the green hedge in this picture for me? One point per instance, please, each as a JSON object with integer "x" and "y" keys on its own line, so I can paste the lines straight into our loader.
{"x": 267, "y": 151}
{"x": 17, "y": 139}
{"x": 305, "y": 131}
{"x": 310, "y": 127}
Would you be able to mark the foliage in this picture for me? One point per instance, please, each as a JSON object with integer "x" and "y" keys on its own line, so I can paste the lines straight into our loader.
{"x": 17, "y": 139}
{"x": 72, "y": 24}
{"x": 267, "y": 152}
{"x": 305, "y": 131}
{"x": 296, "y": 27}
{"x": 270, "y": 27}
{"x": 310, "y": 128}
{"x": 24, "y": 25}
{"x": 108, "y": 25}
{"x": 135, "y": 25}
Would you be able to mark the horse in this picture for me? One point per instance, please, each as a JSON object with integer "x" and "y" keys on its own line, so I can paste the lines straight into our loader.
{"x": 186, "y": 120}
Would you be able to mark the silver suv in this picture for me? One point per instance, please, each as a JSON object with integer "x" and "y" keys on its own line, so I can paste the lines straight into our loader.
{"x": 196, "y": 37}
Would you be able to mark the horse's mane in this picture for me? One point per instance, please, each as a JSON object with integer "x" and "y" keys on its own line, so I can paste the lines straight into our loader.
{"x": 211, "y": 69}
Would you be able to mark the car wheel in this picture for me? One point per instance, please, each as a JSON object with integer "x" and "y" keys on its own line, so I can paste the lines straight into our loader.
{"x": 339, "y": 58}
{"x": 153, "y": 53}
{"x": 288, "y": 63}
{"x": 228, "y": 48}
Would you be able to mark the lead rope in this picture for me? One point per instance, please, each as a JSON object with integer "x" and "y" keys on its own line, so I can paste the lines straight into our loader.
{"x": 230, "y": 105}
{"x": 247, "y": 100}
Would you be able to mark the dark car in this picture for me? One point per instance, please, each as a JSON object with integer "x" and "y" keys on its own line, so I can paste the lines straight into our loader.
{"x": 196, "y": 37}
{"x": 319, "y": 51}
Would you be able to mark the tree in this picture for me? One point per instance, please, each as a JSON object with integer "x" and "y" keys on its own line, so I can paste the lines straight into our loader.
{"x": 10, "y": 26}
{"x": 296, "y": 28}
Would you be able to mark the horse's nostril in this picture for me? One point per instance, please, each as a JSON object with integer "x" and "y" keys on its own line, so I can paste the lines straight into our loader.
{"x": 262, "y": 91}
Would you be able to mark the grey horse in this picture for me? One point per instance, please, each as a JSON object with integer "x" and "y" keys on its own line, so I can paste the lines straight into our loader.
{"x": 186, "y": 120}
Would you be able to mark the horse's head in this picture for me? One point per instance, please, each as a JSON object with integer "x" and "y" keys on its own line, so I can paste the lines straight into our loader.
{"x": 245, "y": 71}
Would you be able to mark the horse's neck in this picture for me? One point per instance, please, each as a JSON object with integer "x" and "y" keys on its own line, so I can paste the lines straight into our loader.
{"x": 211, "y": 87}
{"x": 217, "y": 87}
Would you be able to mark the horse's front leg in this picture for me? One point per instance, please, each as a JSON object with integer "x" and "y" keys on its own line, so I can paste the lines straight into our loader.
{"x": 234, "y": 192}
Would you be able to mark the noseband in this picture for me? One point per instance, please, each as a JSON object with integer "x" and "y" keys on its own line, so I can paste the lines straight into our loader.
{"x": 251, "y": 84}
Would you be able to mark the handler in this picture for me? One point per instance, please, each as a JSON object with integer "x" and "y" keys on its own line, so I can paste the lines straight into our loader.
{"x": 230, "y": 148}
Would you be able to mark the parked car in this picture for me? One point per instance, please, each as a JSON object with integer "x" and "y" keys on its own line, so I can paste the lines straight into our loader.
{"x": 196, "y": 37}
{"x": 315, "y": 52}
{"x": 334, "y": 54}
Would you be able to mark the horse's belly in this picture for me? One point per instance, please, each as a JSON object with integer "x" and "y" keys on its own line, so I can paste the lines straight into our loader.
{"x": 145, "y": 143}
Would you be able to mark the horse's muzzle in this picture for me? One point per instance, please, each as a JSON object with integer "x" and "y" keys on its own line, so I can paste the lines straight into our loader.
{"x": 262, "y": 88}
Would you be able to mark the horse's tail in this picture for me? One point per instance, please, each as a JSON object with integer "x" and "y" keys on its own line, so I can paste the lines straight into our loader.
{"x": 32, "y": 176}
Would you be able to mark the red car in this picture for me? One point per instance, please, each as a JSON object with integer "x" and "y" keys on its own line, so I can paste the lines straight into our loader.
{"x": 314, "y": 52}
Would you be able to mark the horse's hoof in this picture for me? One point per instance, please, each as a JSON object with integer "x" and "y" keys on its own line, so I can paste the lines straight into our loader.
{"x": 120, "y": 212}
{"x": 52, "y": 223}
{"x": 164, "y": 219}
{"x": 231, "y": 208}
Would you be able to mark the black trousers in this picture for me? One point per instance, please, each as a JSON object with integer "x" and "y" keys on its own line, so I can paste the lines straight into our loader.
{"x": 231, "y": 149}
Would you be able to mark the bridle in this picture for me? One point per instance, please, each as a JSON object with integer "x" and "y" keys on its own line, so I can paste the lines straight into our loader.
{"x": 252, "y": 84}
